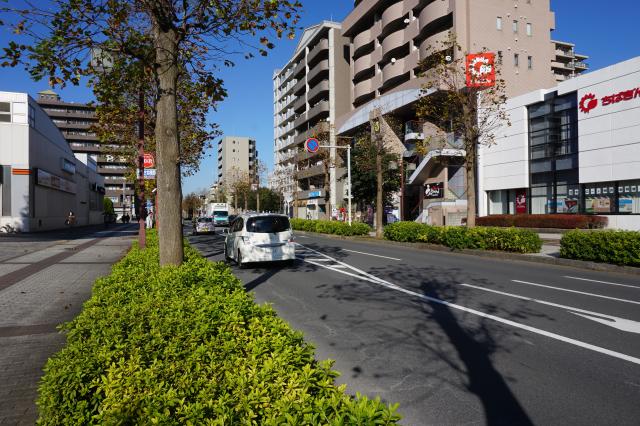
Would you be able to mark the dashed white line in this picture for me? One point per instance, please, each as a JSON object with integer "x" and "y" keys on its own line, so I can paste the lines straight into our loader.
{"x": 602, "y": 282}
{"x": 362, "y": 275}
{"x": 371, "y": 254}
{"x": 578, "y": 292}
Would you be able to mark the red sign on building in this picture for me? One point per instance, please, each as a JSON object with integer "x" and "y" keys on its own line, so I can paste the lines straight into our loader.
{"x": 481, "y": 70}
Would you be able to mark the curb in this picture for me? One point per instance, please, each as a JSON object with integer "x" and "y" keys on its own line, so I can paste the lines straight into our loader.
{"x": 594, "y": 266}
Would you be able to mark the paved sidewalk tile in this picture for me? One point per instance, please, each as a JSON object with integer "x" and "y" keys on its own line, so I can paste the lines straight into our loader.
{"x": 32, "y": 308}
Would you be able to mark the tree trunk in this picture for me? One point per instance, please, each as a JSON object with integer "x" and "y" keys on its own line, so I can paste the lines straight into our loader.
{"x": 246, "y": 202}
{"x": 470, "y": 162}
{"x": 168, "y": 148}
{"x": 379, "y": 195}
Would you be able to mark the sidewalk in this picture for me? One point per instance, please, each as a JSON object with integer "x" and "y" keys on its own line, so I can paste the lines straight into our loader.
{"x": 43, "y": 283}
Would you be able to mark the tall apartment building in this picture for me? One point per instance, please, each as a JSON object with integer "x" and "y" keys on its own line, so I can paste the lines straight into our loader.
{"x": 74, "y": 121}
{"x": 310, "y": 92}
{"x": 567, "y": 63}
{"x": 236, "y": 154}
{"x": 389, "y": 39}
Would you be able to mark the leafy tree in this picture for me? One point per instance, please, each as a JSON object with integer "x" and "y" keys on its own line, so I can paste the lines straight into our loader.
{"x": 191, "y": 204}
{"x": 364, "y": 173}
{"x": 107, "y": 206}
{"x": 269, "y": 200}
{"x": 168, "y": 39}
{"x": 475, "y": 113}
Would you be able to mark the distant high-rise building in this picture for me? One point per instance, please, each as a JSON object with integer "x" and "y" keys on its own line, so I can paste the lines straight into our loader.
{"x": 566, "y": 63}
{"x": 237, "y": 155}
{"x": 74, "y": 121}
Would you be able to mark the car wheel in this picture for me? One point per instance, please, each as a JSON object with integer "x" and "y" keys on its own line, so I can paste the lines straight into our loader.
{"x": 290, "y": 262}
{"x": 239, "y": 261}
{"x": 226, "y": 254}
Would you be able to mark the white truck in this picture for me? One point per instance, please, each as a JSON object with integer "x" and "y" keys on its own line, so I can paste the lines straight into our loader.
{"x": 220, "y": 213}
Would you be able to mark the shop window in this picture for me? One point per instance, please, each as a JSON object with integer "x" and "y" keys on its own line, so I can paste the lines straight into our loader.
{"x": 629, "y": 197}
{"x": 599, "y": 198}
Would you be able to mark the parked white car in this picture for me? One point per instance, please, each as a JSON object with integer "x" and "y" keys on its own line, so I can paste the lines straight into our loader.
{"x": 259, "y": 238}
{"x": 203, "y": 225}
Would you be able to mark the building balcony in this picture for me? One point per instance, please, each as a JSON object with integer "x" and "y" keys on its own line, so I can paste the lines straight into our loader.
{"x": 300, "y": 120}
{"x": 300, "y": 104}
{"x": 310, "y": 194}
{"x": 317, "y": 109}
{"x": 364, "y": 63}
{"x": 432, "y": 13}
{"x": 318, "y": 90}
{"x": 300, "y": 87}
{"x": 321, "y": 127}
{"x": 310, "y": 172}
{"x": 322, "y": 45}
{"x": 319, "y": 68}
{"x": 392, "y": 14}
{"x": 299, "y": 70}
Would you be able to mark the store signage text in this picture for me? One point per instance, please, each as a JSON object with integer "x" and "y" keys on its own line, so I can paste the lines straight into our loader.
{"x": 434, "y": 190}
{"x": 589, "y": 101}
{"x": 480, "y": 69}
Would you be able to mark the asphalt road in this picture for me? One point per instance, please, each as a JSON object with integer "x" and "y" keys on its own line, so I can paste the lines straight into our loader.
{"x": 459, "y": 339}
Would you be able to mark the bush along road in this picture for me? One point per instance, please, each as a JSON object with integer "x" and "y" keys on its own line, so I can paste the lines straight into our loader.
{"x": 188, "y": 345}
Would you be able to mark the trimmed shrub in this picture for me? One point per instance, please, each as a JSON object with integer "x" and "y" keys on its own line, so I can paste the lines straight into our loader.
{"x": 460, "y": 237}
{"x": 407, "y": 232}
{"x": 616, "y": 247}
{"x": 330, "y": 227}
{"x": 557, "y": 221}
{"x": 188, "y": 345}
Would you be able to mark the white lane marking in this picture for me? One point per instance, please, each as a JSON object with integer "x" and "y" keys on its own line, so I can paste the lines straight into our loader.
{"x": 318, "y": 260}
{"x": 579, "y": 292}
{"x": 615, "y": 322}
{"x": 375, "y": 280}
{"x": 371, "y": 254}
{"x": 301, "y": 236}
{"x": 603, "y": 282}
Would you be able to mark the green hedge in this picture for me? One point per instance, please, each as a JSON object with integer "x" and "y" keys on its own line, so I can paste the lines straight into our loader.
{"x": 617, "y": 247}
{"x": 459, "y": 237}
{"x": 188, "y": 345}
{"x": 330, "y": 227}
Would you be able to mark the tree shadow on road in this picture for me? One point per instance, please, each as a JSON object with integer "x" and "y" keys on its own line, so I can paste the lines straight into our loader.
{"x": 437, "y": 335}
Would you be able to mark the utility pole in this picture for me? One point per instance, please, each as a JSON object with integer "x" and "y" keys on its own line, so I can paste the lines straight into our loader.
{"x": 142, "y": 231}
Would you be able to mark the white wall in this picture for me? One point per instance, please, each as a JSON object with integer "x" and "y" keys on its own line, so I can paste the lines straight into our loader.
{"x": 609, "y": 134}
{"x": 505, "y": 164}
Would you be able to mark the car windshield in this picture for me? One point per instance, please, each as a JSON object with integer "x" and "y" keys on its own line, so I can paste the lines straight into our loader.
{"x": 268, "y": 224}
{"x": 220, "y": 213}
{"x": 204, "y": 219}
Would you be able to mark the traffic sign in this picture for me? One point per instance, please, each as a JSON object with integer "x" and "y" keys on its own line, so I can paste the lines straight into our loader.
{"x": 149, "y": 161}
{"x": 150, "y": 173}
{"x": 312, "y": 145}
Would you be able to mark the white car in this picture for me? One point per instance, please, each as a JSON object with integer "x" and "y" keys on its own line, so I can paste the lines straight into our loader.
{"x": 203, "y": 225}
{"x": 259, "y": 238}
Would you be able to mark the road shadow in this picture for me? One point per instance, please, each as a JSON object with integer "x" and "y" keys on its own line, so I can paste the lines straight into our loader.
{"x": 434, "y": 333}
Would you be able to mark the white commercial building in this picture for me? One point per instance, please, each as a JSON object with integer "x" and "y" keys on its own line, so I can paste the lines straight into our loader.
{"x": 571, "y": 149}
{"x": 41, "y": 180}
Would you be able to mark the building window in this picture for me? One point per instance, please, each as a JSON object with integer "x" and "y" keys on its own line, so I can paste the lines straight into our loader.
{"x": 529, "y": 29}
{"x": 515, "y": 26}
{"x": 516, "y": 59}
{"x": 499, "y": 23}
{"x": 5, "y": 112}
{"x": 530, "y": 62}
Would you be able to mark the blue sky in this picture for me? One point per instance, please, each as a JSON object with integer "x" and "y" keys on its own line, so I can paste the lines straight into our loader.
{"x": 606, "y": 34}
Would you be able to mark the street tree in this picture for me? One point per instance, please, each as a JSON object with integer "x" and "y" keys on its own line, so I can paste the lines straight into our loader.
{"x": 162, "y": 37}
{"x": 474, "y": 113}
{"x": 191, "y": 204}
{"x": 373, "y": 178}
{"x": 238, "y": 184}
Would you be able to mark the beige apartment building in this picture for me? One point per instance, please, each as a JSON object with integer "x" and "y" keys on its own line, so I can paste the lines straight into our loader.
{"x": 237, "y": 156}
{"x": 310, "y": 92}
{"x": 388, "y": 39}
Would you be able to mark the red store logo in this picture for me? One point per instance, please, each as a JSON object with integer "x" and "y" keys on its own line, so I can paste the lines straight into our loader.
{"x": 589, "y": 101}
